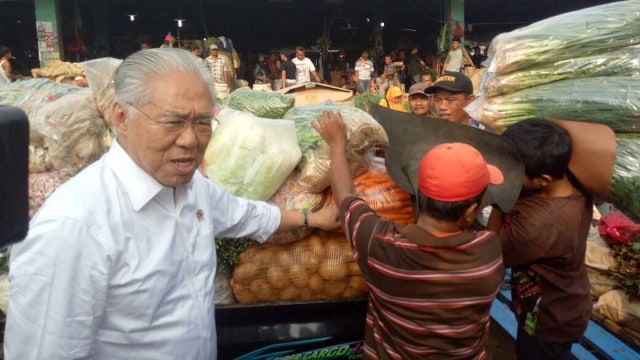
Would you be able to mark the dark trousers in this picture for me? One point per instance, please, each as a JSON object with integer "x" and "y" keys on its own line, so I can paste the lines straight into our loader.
{"x": 531, "y": 348}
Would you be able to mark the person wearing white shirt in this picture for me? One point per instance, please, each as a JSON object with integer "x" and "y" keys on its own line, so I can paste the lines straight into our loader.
{"x": 304, "y": 67}
{"x": 119, "y": 262}
{"x": 364, "y": 69}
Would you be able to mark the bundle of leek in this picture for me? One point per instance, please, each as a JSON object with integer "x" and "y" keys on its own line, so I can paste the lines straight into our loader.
{"x": 591, "y": 31}
{"x": 612, "y": 101}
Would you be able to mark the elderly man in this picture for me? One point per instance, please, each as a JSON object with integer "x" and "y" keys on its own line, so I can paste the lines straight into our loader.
{"x": 419, "y": 102}
{"x": 119, "y": 262}
{"x": 451, "y": 93}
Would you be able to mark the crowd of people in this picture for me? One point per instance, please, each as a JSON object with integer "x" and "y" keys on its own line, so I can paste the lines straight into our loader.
{"x": 119, "y": 261}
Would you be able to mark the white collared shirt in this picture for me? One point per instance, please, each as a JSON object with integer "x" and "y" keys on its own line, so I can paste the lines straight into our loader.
{"x": 115, "y": 266}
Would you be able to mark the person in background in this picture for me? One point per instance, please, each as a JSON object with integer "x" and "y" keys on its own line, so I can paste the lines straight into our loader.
{"x": 388, "y": 75}
{"x": 364, "y": 70}
{"x": 287, "y": 70}
{"x": 196, "y": 50}
{"x": 119, "y": 262}
{"x": 457, "y": 57}
{"x": 544, "y": 239}
{"x": 274, "y": 66}
{"x": 414, "y": 66}
{"x": 216, "y": 65}
{"x": 431, "y": 283}
{"x": 427, "y": 78}
{"x": 304, "y": 67}
{"x": 393, "y": 99}
{"x": 6, "y": 73}
{"x": 419, "y": 102}
{"x": 344, "y": 81}
{"x": 451, "y": 93}
{"x": 261, "y": 72}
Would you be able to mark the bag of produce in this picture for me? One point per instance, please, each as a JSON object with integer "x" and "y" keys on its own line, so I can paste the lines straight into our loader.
{"x": 292, "y": 196}
{"x": 625, "y": 186}
{"x": 251, "y": 156}
{"x": 613, "y": 101}
{"x": 316, "y": 268}
{"x": 263, "y": 104}
{"x": 29, "y": 95}
{"x": 100, "y": 75}
{"x": 619, "y": 62}
{"x": 75, "y": 135}
{"x": 385, "y": 197}
{"x": 363, "y": 133}
{"x": 594, "y": 30}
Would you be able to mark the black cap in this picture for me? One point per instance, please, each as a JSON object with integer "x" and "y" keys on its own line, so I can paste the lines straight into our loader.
{"x": 452, "y": 81}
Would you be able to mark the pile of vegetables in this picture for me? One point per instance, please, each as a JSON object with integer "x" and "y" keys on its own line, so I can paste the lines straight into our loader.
{"x": 581, "y": 65}
{"x": 264, "y": 104}
{"x": 363, "y": 101}
{"x": 320, "y": 266}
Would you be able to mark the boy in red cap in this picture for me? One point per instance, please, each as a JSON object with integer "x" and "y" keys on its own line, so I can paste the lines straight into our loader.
{"x": 431, "y": 283}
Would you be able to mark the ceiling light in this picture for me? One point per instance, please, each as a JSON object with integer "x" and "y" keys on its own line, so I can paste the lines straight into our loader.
{"x": 132, "y": 17}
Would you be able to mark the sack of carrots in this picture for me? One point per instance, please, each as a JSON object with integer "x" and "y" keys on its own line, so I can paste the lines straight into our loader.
{"x": 384, "y": 196}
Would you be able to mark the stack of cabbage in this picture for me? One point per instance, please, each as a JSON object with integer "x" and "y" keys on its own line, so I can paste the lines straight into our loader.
{"x": 582, "y": 65}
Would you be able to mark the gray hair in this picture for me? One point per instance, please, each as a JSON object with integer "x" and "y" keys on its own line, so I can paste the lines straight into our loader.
{"x": 132, "y": 76}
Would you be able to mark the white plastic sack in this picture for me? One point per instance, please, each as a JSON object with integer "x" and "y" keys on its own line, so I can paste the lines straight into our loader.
{"x": 251, "y": 157}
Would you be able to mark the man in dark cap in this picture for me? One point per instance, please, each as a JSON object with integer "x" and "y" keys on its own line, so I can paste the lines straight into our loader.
{"x": 451, "y": 93}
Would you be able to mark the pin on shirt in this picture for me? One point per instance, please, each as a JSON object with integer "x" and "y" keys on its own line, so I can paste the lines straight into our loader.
{"x": 200, "y": 214}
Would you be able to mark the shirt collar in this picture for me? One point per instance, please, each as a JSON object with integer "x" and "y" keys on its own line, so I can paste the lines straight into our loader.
{"x": 139, "y": 186}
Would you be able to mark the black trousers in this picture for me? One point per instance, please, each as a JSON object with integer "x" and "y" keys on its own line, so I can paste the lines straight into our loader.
{"x": 531, "y": 348}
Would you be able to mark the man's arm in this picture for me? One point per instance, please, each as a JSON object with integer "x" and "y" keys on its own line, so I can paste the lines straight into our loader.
{"x": 333, "y": 130}
{"x": 283, "y": 73}
{"x": 324, "y": 219}
{"x": 315, "y": 76}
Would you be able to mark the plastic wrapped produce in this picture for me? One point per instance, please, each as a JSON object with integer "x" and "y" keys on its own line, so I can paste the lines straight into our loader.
{"x": 612, "y": 101}
{"x": 100, "y": 75}
{"x": 385, "y": 197}
{"x": 251, "y": 156}
{"x": 594, "y": 30}
{"x": 619, "y": 62}
{"x": 75, "y": 135}
{"x": 263, "y": 104}
{"x": 625, "y": 187}
{"x": 318, "y": 267}
{"x": 363, "y": 133}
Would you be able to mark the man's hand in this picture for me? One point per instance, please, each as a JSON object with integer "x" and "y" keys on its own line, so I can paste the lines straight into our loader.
{"x": 325, "y": 219}
{"x": 331, "y": 128}
{"x": 334, "y": 132}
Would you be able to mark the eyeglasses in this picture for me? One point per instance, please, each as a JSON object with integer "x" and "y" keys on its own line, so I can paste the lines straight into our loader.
{"x": 174, "y": 124}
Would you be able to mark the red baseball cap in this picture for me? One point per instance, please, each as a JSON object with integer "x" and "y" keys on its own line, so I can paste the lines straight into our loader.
{"x": 455, "y": 172}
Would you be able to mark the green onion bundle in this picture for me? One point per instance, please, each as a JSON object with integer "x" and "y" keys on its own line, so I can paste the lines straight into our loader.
{"x": 619, "y": 62}
{"x": 612, "y": 101}
{"x": 575, "y": 34}
{"x": 625, "y": 187}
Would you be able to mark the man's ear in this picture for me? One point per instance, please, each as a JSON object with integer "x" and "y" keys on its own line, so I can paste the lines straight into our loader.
{"x": 469, "y": 216}
{"x": 470, "y": 98}
{"x": 119, "y": 118}
{"x": 543, "y": 181}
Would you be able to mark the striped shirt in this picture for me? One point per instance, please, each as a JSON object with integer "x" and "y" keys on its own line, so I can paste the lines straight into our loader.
{"x": 429, "y": 297}
{"x": 217, "y": 68}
